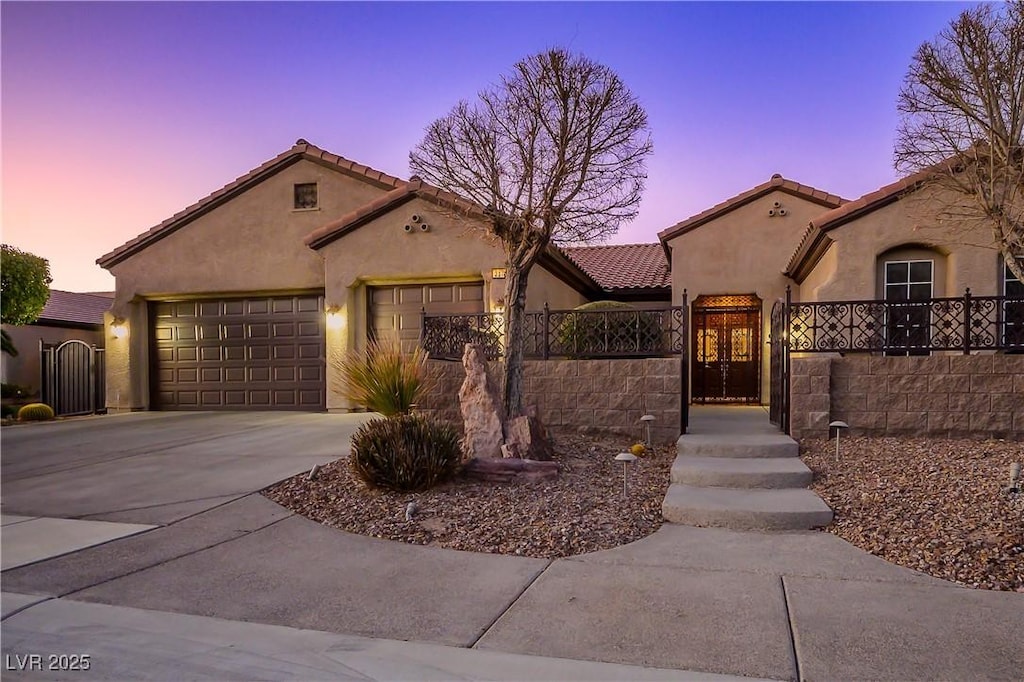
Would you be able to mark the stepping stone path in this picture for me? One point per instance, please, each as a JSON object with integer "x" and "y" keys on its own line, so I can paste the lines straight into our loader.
{"x": 735, "y": 470}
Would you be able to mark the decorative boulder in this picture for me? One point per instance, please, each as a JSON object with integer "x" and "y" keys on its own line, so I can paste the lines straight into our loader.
{"x": 481, "y": 407}
{"x": 526, "y": 438}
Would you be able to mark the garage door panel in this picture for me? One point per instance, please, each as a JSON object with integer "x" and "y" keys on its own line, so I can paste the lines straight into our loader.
{"x": 398, "y": 309}
{"x": 252, "y": 353}
{"x": 471, "y": 293}
{"x": 308, "y": 351}
{"x": 441, "y": 294}
{"x": 284, "y": 330}
{"x": 234, "y": 398}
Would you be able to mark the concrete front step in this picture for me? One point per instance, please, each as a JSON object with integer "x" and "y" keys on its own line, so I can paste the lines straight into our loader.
{"x": 730, "y": 472}
{"x": 739, "y": 445}
{"x": 745, "y": 509}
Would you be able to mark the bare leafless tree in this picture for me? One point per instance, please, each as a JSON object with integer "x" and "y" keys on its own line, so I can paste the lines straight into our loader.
{"x": 554, "y": 153}
{"x": 962, "y": 107}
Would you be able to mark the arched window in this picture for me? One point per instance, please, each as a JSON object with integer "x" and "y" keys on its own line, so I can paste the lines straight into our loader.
{"x": 909, "y": 276}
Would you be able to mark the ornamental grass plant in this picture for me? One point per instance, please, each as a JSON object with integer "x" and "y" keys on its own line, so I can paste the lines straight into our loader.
{"x": 382, "y": 378}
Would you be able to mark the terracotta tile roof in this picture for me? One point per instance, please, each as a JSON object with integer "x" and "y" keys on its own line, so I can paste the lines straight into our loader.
{"x": 815, "y": 241}
{"x": 777, "y": 182}
{"x": 301, "y": 150}
{"x": 414, "y": 188}
{"x": 69, "y": 307}
{"x": 623, "y": 266}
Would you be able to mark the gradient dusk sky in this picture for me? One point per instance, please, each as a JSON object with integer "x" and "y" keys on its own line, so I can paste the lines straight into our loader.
{"x": 116, "y": 116}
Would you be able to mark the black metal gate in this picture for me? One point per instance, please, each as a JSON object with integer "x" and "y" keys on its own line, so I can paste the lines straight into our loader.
{"x": 778, "y": 407}
{"x": 73, "y": 377}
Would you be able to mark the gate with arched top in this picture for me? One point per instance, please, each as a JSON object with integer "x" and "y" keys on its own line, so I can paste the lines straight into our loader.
{"x": 72, "y": 378}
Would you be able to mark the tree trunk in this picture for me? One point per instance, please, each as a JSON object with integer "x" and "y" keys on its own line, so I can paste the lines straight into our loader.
{"x": 515, "y": 303}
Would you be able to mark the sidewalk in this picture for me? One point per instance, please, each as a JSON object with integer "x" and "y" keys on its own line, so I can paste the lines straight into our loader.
{"x": 248, "y": 590}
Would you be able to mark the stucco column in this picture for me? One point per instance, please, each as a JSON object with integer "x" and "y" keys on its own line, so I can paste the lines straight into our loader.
{"x": 127, "y": 357}
{"x": 339, "y": 332}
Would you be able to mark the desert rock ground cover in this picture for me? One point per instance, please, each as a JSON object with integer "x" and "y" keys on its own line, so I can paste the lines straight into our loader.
{"x": 934, "y": 505}
{"x": 583, "y": 510}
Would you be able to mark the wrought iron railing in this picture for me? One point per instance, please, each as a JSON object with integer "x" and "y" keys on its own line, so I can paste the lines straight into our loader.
{"x": 963, "y": 324}
{"x": 562, "y": 333}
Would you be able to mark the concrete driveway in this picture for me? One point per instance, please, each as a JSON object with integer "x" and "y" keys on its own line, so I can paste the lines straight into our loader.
{"x": 160, "y": 467}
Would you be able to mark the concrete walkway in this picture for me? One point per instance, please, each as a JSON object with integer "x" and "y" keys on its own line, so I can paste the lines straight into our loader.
{"x": 248, "y": 590}
{"x": 735, "y": 470}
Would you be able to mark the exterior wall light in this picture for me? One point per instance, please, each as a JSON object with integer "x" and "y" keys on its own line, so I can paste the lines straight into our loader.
{"x": 335, "y": 317}
{"x": 119, "y": 328}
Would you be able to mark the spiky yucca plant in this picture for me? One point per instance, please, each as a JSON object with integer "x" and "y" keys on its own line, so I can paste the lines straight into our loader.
{"x": 406, "y": 452}
{"x": 35, "y": 412}
{"x": 383, "y": 378}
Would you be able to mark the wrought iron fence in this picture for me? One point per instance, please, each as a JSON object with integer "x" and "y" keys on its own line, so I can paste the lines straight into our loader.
{"x": 962, "y": 324}
{"x": 562, "y": 333}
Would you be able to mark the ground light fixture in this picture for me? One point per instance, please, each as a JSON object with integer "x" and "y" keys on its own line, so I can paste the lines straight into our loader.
{"x": 625, "y": 458}
{"x": 838, "y": 426}
{"x": 646, "y": 421}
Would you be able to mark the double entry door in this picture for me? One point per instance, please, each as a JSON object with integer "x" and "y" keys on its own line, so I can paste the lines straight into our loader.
{"x": 726, "y": 355}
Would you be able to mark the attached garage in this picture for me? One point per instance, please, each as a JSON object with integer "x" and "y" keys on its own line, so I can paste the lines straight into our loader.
{"x": 253, "y": 353}
{"x": 398, "y": 308}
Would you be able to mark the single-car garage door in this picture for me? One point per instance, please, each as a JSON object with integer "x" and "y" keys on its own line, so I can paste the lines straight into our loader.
{"x": 256, "y": 353}
{"x": 398, "y": 308}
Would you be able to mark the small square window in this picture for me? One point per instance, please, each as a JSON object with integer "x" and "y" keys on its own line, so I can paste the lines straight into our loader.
{"x": 305, "y": 195}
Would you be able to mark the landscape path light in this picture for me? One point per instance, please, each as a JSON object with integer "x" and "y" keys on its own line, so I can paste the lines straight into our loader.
{"x": 646, "y": 420}
{"x": 838, "y": 426}
{"x": 625, "y": 458}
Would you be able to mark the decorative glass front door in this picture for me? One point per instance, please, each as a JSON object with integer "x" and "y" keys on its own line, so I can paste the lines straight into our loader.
{"x": 726, "y": 349}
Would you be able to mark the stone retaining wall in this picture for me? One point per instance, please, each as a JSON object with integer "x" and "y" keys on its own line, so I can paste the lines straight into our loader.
{"x": 600, "y": 396}
{"x": 940, "y": 395}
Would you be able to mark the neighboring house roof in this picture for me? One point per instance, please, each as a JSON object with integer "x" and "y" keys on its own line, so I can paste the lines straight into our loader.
{"x": 301, "y": 150}
{"x": 776, "y": 183}
{"x": 623, "y": 266}
{"x": 70, "y": 308}
{"x": 815, "y": 241}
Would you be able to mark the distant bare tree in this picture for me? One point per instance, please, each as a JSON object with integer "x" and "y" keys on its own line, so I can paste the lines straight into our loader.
{"x": 962, "y": 106}
{"x": 555, "y": 152}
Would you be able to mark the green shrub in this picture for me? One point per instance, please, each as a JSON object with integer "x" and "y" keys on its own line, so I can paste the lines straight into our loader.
{"x": 383, "y": 378}
{"x": 406, "y": 452}
{"x": 7, "y": 411}
{"x": 609, "y": 328}
{"x": 35, "y": 412}
{"x": 14, "y": 391}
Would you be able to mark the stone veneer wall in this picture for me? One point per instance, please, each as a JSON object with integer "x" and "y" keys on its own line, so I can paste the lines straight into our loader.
{"x": 939, "y": 395}
{"x": 599, "y": 396}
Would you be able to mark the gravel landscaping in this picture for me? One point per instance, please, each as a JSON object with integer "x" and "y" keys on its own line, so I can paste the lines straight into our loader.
{"x": 582, "y": 511}
{"x": 934, "y": 505}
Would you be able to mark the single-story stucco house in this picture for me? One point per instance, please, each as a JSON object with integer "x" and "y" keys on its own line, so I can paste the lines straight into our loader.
{"x": 244, "y": 299}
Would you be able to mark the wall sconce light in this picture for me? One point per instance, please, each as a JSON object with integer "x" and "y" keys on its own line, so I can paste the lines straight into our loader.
{"x": 119, "y": 328}
{"x": 335, "y": 317}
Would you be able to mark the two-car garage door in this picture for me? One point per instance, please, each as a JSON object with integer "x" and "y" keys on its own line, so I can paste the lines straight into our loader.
{"x": 268, "y": 353}
{"x": 262, "y": 353}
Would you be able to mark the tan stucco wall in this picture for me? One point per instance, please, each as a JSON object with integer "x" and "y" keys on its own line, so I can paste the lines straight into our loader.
{"x": 24, "y": 369}
{"x": 850, "y": 269}
{"x": 253, "y": 243}
{"x": 743, "y": 252}
{"x": 381, "y": 252}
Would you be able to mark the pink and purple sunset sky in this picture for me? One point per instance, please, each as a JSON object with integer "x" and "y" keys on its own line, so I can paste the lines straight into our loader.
{"x": 116, "y": 116}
